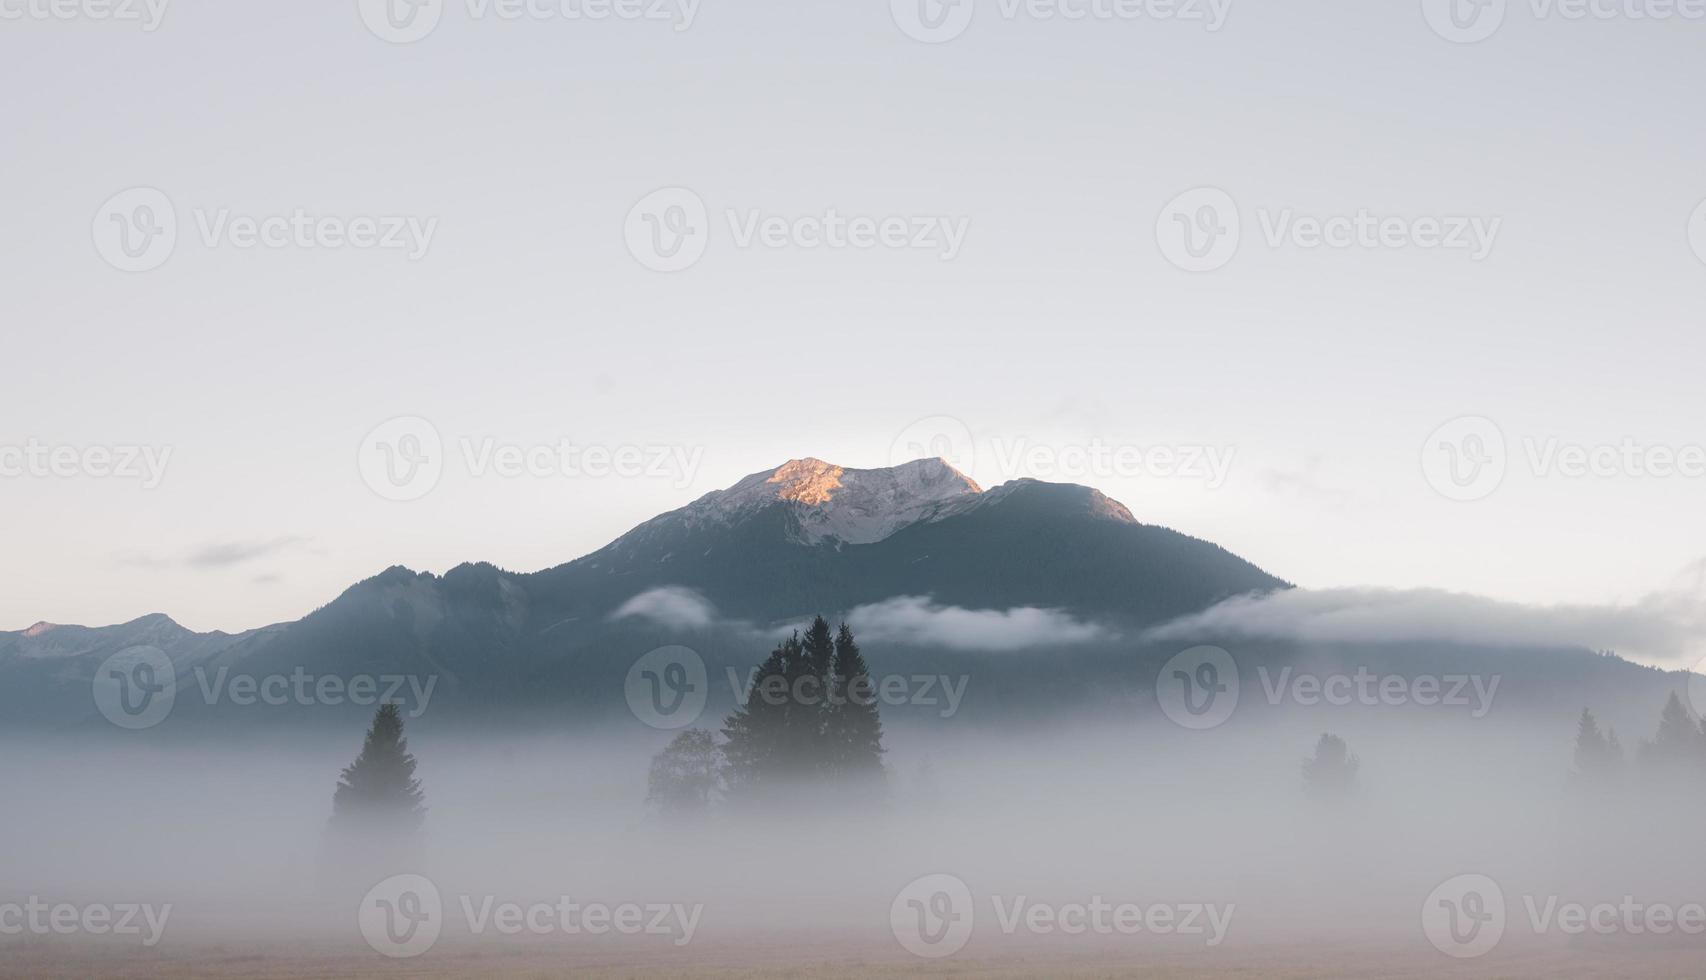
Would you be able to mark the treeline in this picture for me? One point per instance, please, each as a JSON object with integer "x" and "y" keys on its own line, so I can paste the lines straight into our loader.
{"x": 1673, "y": 759}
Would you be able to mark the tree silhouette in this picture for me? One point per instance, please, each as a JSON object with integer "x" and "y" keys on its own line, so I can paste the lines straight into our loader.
{"x": 1678, "y": 744}
{"x": 379, "y": 790}
{"x": 809, "y": 714}
{"x": 1332, "y": 772}
{"x": 1598, "y": 757}
{"x": 685, "y": 775}
{"x": 853, "y": 729}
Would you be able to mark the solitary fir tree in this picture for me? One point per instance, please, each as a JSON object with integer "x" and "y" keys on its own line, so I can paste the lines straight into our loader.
{"x": 1332, "y": 772}
{"x": 684, "y": 776}
{"x": 1598, "y": 757}
{"x": 379, "y": 791}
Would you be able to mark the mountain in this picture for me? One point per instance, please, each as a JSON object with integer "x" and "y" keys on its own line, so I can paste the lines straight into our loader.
{"x": 738, "y": 564}
{"x": 806, "y": 537}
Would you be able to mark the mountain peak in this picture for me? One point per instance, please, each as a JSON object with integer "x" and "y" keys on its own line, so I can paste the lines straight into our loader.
{"x": 853, "y": 506}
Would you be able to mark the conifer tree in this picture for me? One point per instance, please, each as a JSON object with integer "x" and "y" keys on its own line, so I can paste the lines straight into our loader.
{"x": 854, "y": 729}
{"x": 1679, "y": 742}
{"x": 379, "y": 791}
{"x": 1598, "y": 757}
{"x": 1332, "y": 772}
{"x": 819, "y": 647}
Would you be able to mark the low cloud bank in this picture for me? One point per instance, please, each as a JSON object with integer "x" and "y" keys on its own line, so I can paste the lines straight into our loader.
{"x": 1664, "y": 628}
{"x": 920, "y": 621}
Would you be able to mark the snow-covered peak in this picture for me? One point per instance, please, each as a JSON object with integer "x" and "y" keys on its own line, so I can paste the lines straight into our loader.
{"x": 830, "y": 501}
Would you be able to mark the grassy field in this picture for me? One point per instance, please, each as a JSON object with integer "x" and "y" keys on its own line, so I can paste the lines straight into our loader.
{"x": 805, "y": 959}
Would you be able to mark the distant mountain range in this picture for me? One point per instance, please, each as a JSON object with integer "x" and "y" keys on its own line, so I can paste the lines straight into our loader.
{"x": 772, "y": 550}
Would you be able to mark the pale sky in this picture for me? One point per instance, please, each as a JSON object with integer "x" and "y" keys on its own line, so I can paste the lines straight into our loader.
{"x": 1055, "y": 146}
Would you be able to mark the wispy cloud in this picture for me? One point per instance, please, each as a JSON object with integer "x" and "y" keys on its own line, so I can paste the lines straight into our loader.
{"x": 673, "y": 606}
{"x": 920, "y": 621}
{"x": 220, "y": 554}
{"x": 1665, "y": 628}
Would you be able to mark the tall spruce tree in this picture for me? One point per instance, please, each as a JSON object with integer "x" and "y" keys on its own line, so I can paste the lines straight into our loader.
{"x": 379, "y": 792}
{"x": 1678, "y": 744}
{"x": 1598, "y": 757}
{"x": 819, "y": 647}
{"x": 854, "y": 729}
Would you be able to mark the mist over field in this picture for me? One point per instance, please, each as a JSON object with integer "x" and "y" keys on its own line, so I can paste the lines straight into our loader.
{"x": 1133, "y": 838}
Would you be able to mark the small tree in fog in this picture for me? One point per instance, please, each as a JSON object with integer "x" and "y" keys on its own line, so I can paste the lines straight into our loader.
{"x": 1598, "y": 757}
{"x": 379, "y": 790}
{"x": 685, "y": 775}
{"x": 1332, "y": 772}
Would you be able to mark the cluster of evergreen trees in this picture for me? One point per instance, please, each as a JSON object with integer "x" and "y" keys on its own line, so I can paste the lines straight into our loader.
{"x": 809, "y": 720}
{"x": 1677, "y": 748}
